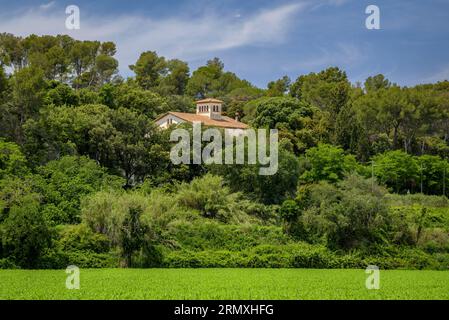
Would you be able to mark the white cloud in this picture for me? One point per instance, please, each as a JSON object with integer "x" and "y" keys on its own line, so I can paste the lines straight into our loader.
{"x": 46, "y": 6}
{"x": 338, "y": 2}
{"x": 178, "y": 36}
{"x": 342, "y": 54}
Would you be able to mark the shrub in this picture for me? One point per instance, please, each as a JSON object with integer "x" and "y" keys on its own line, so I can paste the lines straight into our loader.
{"x": 344, "y": 217}
{"x": 327, "y": 163}
{"x": 211, "y": 198}
{"x": 398, "y": 170}
{"x": 434, "y": 240}
{"x": 25, "y": 234}
{"x": 56, "y": 259}
{"x": 12, "y": 160}
{"x": 119, "y": 217}
{"x": 7, "y": 263}
{"x": 267, "y": 189}
{"x": 299, "y": 255}
{"x": 80, "y": 237}
{"x": 65, "y": 181}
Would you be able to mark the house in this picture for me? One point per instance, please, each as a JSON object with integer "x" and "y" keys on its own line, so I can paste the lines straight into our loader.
{"x": 208, "y": 112}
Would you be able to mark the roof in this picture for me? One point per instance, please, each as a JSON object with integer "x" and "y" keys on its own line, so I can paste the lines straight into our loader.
{"x": 209, "y": 100}
{"x": 225, "y": 122}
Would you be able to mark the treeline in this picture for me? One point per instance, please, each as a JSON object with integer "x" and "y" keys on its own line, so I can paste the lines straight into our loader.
{"x": 86, "y": 177}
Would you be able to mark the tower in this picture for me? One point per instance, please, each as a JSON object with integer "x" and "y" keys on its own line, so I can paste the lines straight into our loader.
{"x": 211, "y": 108}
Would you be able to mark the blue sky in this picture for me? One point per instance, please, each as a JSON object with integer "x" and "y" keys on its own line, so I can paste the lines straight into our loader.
{"x": 259, "y": 40}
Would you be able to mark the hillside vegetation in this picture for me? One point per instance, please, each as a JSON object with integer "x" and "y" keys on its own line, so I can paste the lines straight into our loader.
{"x": 86, "y": 177}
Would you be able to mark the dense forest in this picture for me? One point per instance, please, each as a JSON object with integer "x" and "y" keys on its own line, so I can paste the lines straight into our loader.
{"x": 86, "y": 176}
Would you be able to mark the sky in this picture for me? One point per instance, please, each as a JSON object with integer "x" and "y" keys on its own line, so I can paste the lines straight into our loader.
{"x": 259, "y": 40}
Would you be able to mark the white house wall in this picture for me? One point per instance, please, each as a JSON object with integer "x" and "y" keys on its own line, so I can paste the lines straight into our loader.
{"x": 163, "y": 122}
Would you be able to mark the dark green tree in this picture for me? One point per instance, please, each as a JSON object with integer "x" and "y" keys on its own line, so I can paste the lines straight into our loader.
{"x": 25, "y": 234}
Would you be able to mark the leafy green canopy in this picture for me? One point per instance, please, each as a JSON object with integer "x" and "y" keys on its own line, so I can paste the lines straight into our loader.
{"x": 326, "y": 163}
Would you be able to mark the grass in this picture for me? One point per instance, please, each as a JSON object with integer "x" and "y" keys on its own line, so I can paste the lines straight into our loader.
{"x": 255, "y": 284}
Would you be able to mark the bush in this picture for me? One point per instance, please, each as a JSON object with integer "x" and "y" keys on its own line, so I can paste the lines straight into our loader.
{"x": 210, "y": 197}
{"x": 418, "y": 199}
{"x": 314, "y": 257}
{"x": 327, "y": 163}
{"x": 82, "y": 238}
{"x": 344, "y": 217}
{"x": 65, "y": 181}
{"x": 211, "y": 235}
{"x": 267, "y": 189}
{"x": 434, "y": 240}
{"x": 120, "y": 217}
{"x": 12, "y": 160}
{"x": 55, "y": 259}
{"x": 7, "y": 263}
{"x": 299, "y": 255}
{"x": 398, "y": 170}
{"x": 25, "y": 234}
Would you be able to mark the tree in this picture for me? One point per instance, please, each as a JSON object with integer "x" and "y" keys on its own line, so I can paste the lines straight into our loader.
{"x": 347, "y": 216}
{"x": 279, "y": 87}
{"x": 27, "y": 97}
{"x": 376, "y": 82}
{"x": 211, "y": 81}
{"x": 238, "y": 98}
{"x": 62, "y": 183}
{"x": 149, "y": 69}
{"x": 419, "y": 116}
{"x": 328, "y": 90}
{"x": 350, "y": 134}
{"x": 433, "y": 174}
{"x": 304, "y": 126}
{"x": 138, "y": 100}
{"x": 327, "y": 163}
{"x": 3, "y": 84}
{"x": 86, "y": 63}
{"x": 384, "y": 111}
{"x": 60, "y": 94}
{"x": 397, "y": 170}
{"x": 25, "y": 234}
{"x": 82, "y": 57}
{"x": 12, "y": 161}
{"x": 119, "y": 217}
{"x": 275, "y": 112}
{"x": 122, "y": 140}
{"x": 105, "y": 66}
{"x": 272, "y": 189}
{"x": 133, "y": 233}
{"x": 175, "y": 81}
{"x": 12, "y": 52}
{"x": 58, "y": 63}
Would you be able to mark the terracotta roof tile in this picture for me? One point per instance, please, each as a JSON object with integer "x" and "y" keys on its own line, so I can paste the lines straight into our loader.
{"x": 225, "y": 122}
{"x": 209, "y": 100}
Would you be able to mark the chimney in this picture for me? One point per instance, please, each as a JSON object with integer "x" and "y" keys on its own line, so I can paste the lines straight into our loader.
{"x": 237, "y": 116}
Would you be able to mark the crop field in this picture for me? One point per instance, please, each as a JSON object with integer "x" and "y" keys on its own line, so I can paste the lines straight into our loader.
{"x": 256, "y": 284}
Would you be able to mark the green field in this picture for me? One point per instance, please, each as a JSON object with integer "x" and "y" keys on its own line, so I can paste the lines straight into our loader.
{"x": 223, "y": 284}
